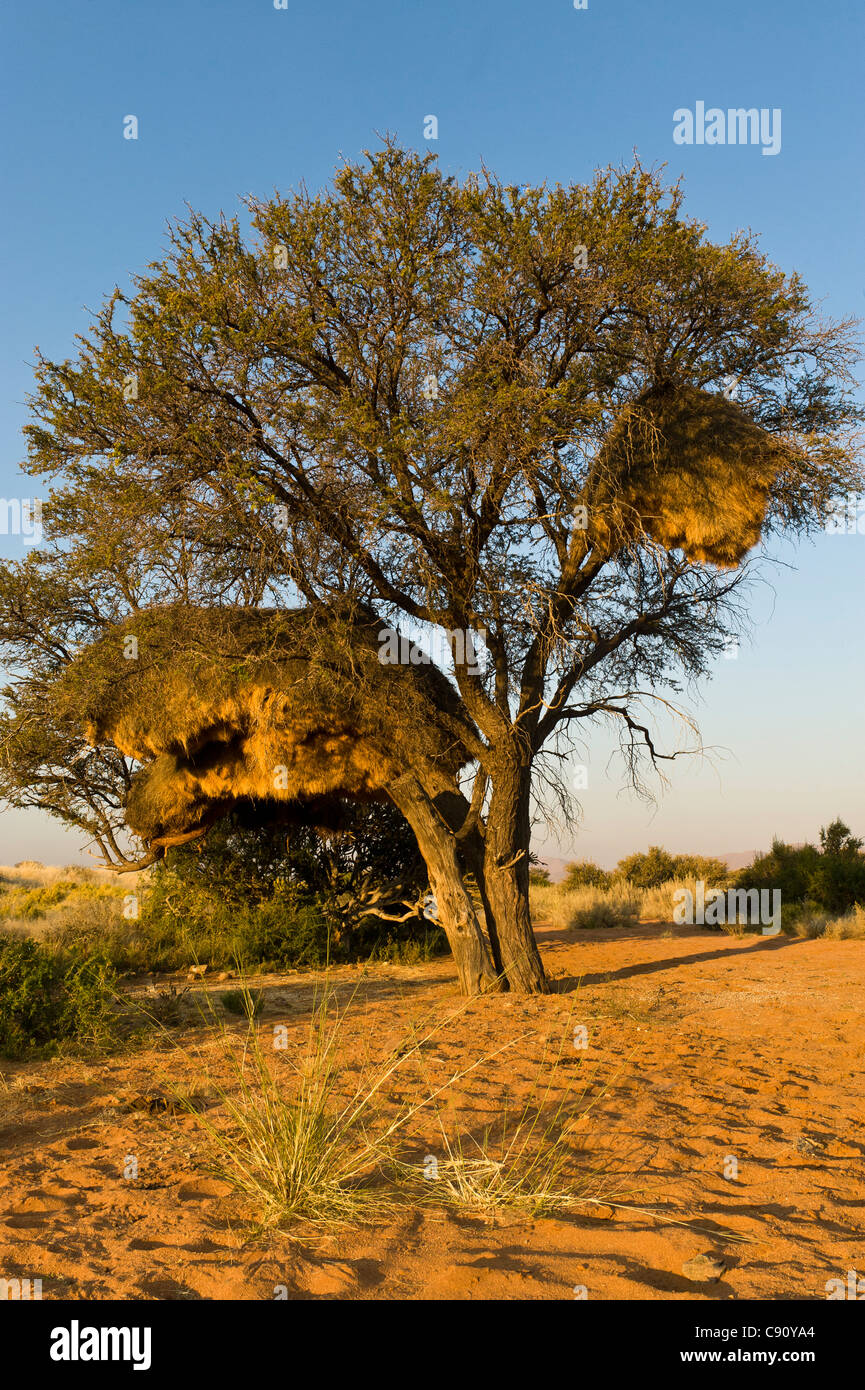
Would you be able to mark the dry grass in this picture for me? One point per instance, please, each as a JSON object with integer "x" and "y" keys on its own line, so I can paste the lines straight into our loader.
{"x": 299, "y": 1144}
{"x": 811, "y": 923}
{"x": 530, "y": 1160}
{"x": 303, "y": 1145}
{"x": 618, "y": 906}
{"x": 42, "y": 901}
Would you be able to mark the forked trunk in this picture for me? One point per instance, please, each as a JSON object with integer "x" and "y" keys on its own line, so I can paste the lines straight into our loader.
{"x": 456, "y": 911}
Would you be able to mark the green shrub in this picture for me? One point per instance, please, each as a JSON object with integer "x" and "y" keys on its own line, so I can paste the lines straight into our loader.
{"x": 649, "y": 869}
{"x": 832, "y": 877}
{"x": 50, "y": 1000}
{"x": 584, "y": 874}
{"x": 656, "y": 867}
{"x": 243, "y": 1002}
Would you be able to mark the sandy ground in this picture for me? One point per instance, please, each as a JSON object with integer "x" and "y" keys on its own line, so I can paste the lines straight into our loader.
{"x": 701, "y": 1048}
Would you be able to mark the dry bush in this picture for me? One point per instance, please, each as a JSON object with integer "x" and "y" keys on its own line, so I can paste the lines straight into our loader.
{"x": 617, "y": 906}
{"x": 30, "y": 873}
{"x": 811, "y": 922}
{"x": 659, "y": 903}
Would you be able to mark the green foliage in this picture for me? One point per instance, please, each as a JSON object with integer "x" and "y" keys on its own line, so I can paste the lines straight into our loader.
{"x": 656, "y": 866}
{"x": 831, "y": 879}
{"x": 584, "y": 874}
{"x": 837, "y": 840}
{"x": 838, "y": 881}
{"x": 539, "y": 877}
{"x": 52, "y": 1001}
{"x": 649, "y": 869}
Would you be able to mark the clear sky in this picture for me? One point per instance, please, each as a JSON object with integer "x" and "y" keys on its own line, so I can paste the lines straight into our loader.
{"x": 236, "y": 96}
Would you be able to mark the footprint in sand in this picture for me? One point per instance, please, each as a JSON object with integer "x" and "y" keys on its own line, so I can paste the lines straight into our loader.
{"x": 35, "y": 1210}
{"x": 204, "y": 1189}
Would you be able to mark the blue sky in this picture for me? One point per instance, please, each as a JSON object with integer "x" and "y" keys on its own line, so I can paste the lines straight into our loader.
{"x": 235, "y": 96}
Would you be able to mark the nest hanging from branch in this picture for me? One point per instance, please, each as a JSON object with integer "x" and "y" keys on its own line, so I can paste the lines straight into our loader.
{"x": 226, "y": 705}
{"x": 690, "y": 470}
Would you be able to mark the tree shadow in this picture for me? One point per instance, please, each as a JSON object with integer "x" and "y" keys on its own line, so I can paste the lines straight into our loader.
{"x": 653, "y": 967}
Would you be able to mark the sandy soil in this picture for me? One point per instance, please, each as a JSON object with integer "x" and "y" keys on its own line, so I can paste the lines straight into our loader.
{"x": 700, "y": 1047}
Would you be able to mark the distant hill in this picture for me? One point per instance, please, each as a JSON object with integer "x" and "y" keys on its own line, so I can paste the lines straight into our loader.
{"x": 740, "y": 859}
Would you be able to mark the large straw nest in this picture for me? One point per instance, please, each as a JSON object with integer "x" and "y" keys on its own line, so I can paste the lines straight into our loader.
{"x": 690, "y": 470}
{"x": 228, "y": 704}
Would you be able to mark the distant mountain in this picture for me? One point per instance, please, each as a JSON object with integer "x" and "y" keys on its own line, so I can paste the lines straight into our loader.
{"x": 556, "y": 866}
{"x": 740, "y": 859}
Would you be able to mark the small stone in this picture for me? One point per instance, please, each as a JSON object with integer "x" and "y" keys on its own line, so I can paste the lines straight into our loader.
{"x": 704, "y": 1269}
{"x": 811, "y": 1144}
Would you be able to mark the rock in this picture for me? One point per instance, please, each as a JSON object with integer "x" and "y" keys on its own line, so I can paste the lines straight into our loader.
{"x": 223, "y": 976}
{"x": 704, "y": 1269}
{"x": 811, "y": 1144}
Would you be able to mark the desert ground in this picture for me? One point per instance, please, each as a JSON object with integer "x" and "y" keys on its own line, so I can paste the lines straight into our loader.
{"x": 700, "y": 1047}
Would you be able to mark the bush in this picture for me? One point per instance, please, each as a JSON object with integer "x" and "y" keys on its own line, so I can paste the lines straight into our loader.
{"x": 832, "y": 878}
{"x": 713, "y": 872}
{"x": 806, "y": 920}
{"x": 584, "y": 874}
{"x": 656, "y": 867}
{"x": 586, "y": 907}
{"x": 784, "y": 867}
{"x": 50, "y": 1000}
{"x": 838, "y": 881}
{"x": 647, "y": 870}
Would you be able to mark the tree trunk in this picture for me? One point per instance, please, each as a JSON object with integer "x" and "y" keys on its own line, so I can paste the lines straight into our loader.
{"x": 455, "y": 908}
{"x": 507, "y": 879}
{"x": 455, "y": 811}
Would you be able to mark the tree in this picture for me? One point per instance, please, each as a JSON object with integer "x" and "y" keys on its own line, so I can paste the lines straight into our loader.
{"x": 501, "y": 413}
{"x": 837, "y": 839}
{"x": 648, "y": 870}
{"x": 539, "y": 877}
{"x": 582, "y": 873}
{"x": 365, "y": 869}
